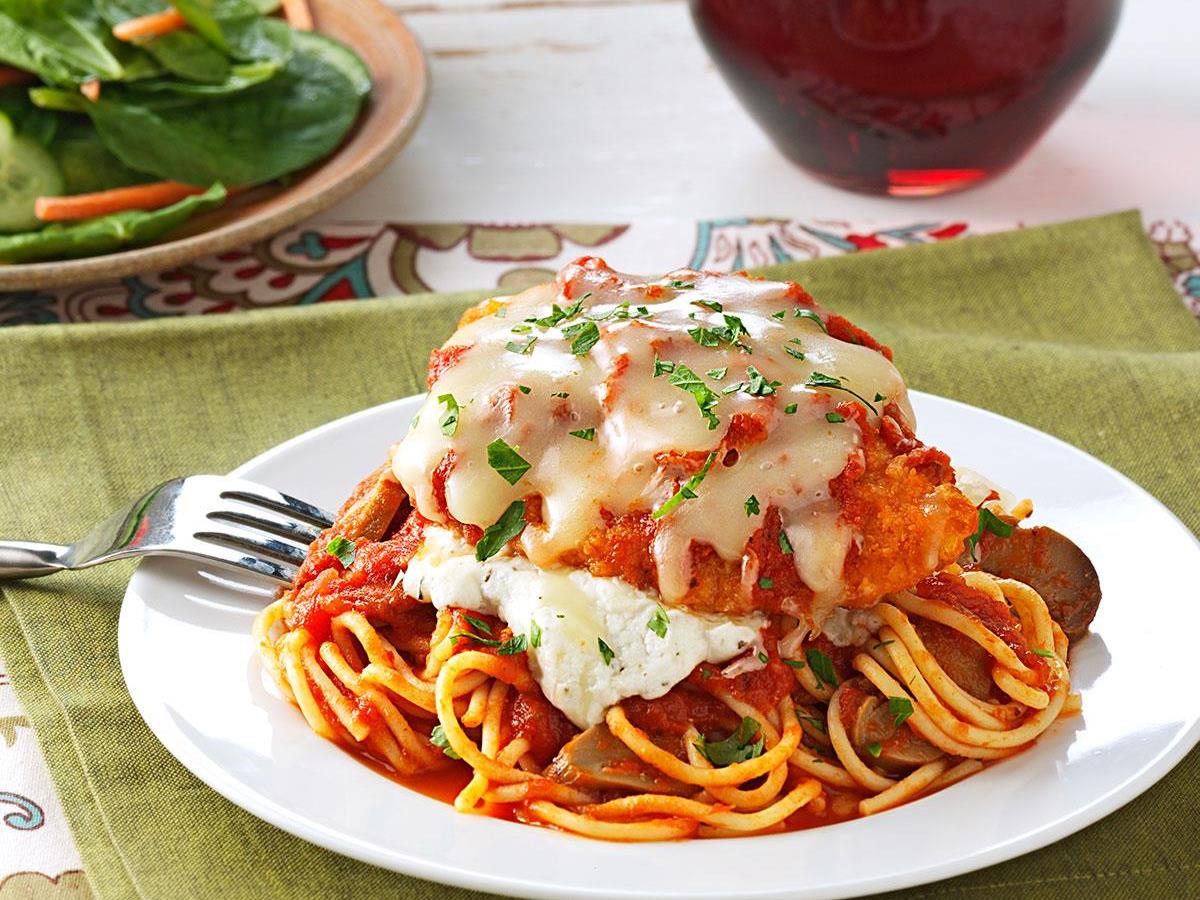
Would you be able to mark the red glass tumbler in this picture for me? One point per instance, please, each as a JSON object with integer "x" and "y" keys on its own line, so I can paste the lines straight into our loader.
{"x": 905, "y": 97}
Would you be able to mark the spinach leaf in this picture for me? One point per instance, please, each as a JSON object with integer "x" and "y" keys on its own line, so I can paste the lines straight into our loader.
{"x": 66, "y": 42}
{"x": 85, "y": 163}
{"x": 237, "y": 28}
{"x": 184, "y": 52}
{"x": 104, "y": 234}
{"x": 246, "y": 138}
{"x": 238, "y": 78}
{"x": 31, "y": 121}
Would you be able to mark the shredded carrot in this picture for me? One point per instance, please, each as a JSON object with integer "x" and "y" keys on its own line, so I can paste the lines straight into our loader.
{"x": 87, "y": 206}
{"x": 153, "y": 25}
{"x": 298, "y": 15}
{"x": 10, "y": 76}
{"x": 91, "y": 89}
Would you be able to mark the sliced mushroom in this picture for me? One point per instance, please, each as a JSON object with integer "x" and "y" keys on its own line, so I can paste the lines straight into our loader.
{"x": 873, "y": 726}
{"x": 812, "y": 722}
{"x": 369, "y": 516}
{"x": 966, "y": 663}
{"x": 1054, "y": 566}
{"x": 597, "y": 762}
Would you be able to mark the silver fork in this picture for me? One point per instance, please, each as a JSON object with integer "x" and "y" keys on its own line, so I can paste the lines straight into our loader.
{"x": 208, "y": 518}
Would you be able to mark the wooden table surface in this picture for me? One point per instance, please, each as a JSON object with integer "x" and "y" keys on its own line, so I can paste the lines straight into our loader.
{"x": 602, "y": 110}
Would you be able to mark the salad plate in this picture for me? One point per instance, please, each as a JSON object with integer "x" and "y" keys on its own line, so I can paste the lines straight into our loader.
{"x": 390, "y": 114}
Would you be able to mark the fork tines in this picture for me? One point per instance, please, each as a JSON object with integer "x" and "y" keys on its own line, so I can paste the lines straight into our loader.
{"x": 282, "y": 516}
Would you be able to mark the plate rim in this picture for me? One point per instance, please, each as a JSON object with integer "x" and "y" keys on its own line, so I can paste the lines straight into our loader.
{"x": 405, "y": 862}
{"x": 248, "y": 229}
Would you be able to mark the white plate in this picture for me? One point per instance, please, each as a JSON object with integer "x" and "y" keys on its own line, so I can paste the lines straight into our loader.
{"x": 191, "y": 667}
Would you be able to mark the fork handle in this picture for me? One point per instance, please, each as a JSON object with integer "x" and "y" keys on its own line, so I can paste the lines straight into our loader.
{"x": 30, "y": 559}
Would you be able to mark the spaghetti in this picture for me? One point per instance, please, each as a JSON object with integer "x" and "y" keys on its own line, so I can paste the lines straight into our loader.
{"x": 429, "y": 643}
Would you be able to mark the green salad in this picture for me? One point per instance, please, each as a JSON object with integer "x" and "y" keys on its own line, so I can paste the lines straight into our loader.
{"x": 120, "y": 119}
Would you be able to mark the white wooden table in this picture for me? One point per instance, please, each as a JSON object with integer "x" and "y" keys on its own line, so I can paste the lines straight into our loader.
{"x": 568, "y": 110}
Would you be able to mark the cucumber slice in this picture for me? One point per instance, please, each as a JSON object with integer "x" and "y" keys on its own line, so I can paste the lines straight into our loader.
{"x": 337, "y": 55}
{"x": 6, "y": 138}
{"x": 28, "y": 172}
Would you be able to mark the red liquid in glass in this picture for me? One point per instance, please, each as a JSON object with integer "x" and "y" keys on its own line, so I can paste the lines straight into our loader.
{"x": 905, "y": 97}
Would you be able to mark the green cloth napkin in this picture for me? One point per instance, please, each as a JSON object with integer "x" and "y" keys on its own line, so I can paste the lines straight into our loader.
{"x": 1072, "y": 328}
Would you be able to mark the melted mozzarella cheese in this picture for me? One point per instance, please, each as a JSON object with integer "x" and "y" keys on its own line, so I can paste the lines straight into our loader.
{"x": 526, "y": 383}
{"x": 574, "y": 610}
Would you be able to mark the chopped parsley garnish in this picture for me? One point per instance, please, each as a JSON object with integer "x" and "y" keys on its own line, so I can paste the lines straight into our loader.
{"x": 784, "y": 544}
{"x": 588, "y": 434}
{"x": 535, "y": 634}
{"x": 790, "y": 409}
{"x": 683, "y": 285}
{"x": 558, "y": 314}
{"x": 779, "y": 315}
{"x": 449, "y": 419}
{"x": 758, "y": 385}
{"x": 659, "y": 622}
{"x": 794, "y": 353}
{"x": 523, "y": 349}
{"x": 438, "y": 738}
{"x": 717, "y": 374}
{"x": 605, "y": 651}
{"x": 514, "y": 645}
{"x": 763, "y": 658}
{"x": 521, "y": 329}
{"x": 687, "y": 491}
{"x": 506, "y": 461}
{"x": 495, "y": 536}
{"x": 684, "y": 378}
{"x": 875, "y": 749}
{"x": 879, "y": 397}
{"x": 733, "y": 388}
{"x": 716, "y": 335}
{"x": 479, "y": 624}
{"x": 471, "y": 636}
{"x": 834, "y": 418}
{"x": 801, "y": 313}
{"x": 621, "y": 312}
{"x": 822, "y": 666}
{"x": 733, "y": 330}
{"x": 709, "y": 304}
{"x": 900, "y": 708}
{"x": 1049, "y": 654}
{"x": 738, "y": 747}
{"x": 705, "y": 337}
{"x": 752, "y": 507}
{"x": 821, "y": 380}
{"x": 562, "y": 394}
{"x": 524, "y": 388}
{"x": 815, "y": 723}
{"x": 794, "y": 663}
{"x": 342, "y": 550}
{"x": 583, "y": 336}
{"x": 988, "y": 521}
{"x": 766, "y": 583}
{"x": 662, "y": 366}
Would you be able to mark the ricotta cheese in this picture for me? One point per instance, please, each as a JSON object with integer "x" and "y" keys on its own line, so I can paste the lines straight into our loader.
{"x": 574, "y": 611}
